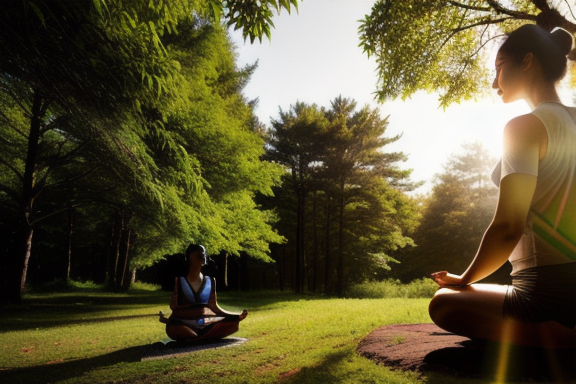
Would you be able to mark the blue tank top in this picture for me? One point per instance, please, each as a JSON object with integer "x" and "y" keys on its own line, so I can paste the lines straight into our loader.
{"x": 200, "y": 297}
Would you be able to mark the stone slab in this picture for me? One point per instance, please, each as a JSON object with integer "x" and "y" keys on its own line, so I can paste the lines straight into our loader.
{"x": 425, "y": 348}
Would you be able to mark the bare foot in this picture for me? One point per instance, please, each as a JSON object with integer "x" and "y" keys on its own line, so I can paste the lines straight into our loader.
{"x": 243, "y": 314}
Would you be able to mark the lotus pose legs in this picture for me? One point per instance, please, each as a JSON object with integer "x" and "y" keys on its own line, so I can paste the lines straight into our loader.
{"x": 475, "y": 311}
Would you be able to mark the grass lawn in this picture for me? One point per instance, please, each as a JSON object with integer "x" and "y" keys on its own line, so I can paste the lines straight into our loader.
{"x": 88, "y": 336}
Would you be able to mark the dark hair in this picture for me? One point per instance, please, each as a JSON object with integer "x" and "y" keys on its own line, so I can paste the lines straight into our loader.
{"x": 549, "y": 48}
{"x": 195, "y": 248}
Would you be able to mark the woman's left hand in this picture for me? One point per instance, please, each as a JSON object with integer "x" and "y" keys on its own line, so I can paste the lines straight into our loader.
{"x": 445, "y": 279}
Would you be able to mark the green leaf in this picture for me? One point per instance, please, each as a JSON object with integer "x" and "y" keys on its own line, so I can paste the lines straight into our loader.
{"x": 37, "y": 11}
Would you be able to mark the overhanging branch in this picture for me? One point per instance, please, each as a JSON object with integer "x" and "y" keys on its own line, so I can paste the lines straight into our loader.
{"x": 12, "y": 168}
{"x": 466, "y": 6}
{"x": 496, "y": 6}
{"x": 482, "y": 22}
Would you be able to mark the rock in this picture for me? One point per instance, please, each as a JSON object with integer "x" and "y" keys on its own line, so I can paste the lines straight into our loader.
{"x": 425, "y": 347}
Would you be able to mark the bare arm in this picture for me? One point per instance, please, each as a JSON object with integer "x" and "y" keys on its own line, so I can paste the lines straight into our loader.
{"x": 523, "y": 136}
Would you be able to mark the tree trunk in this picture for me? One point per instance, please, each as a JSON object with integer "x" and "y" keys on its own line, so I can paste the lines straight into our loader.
{"x": 133, "y": 277}
{"x": 16, "y": 264}
{"x": 69, "y": 237}
{"x": 226, "y": 270}
{"x": 245, "y": 278}
{"x": 298, "y": 267}
{"x": 283, "y": 268}
{"x": 316, "y": 242}
{"x": 108, "y": 276}
{"x": 115, "y": 250}
{"x": 126, "y": 257}
{"x": 118, "y": 245}
{"x": 340, "y": 279}
{"x": 327, "y": 246}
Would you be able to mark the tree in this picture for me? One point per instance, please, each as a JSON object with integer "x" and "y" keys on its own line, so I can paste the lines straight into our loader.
{"x": 254, "y": 17}
{"x": 343, "y": 193}
{"x": 455, "y": 216}
{"x": 440, "y": 45}
{"x": 86, "y": 62}
{"x": 356, "y": 160}
{"x": 296, "y": 141}
{"x": 91, "y": 84}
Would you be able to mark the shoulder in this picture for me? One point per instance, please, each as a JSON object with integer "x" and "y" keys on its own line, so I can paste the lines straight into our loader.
{"x": 525, "y": 129}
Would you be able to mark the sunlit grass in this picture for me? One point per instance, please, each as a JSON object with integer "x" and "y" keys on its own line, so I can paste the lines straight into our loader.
{"x": 420, "y": 288}
{"x": 97, "y": 337}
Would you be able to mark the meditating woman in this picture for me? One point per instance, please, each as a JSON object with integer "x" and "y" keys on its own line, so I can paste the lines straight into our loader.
{"x": 195, "y": 312}
{"x": 534, "y": 226}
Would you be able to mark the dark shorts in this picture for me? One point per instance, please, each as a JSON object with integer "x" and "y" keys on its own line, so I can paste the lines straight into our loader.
{"x": 542, "y": 294}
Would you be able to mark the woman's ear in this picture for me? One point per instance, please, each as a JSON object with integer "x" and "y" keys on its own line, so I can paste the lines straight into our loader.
{"x": 528, "y": 61}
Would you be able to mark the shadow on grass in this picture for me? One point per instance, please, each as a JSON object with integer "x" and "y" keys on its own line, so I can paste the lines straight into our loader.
{"x": 257, "y": 300}
{"x": 9, "y": 326}
{"x": 59, "y": 310}
{"x": 48, "y": 310}
{"x": 323, "y": 372}
{"x": 59, "y": 371}
{"x": 341, "y": 366}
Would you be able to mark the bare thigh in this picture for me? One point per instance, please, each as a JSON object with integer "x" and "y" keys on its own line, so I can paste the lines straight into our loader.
{"x": 475, "y": 311}
{"x": 471, "y": 311}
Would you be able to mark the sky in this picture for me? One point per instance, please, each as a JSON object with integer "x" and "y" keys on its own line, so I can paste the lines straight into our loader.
{"x": 313, "y": 57}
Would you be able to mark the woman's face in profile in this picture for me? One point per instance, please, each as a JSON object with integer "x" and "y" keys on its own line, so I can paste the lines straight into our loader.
{"x": 508, "y": 80}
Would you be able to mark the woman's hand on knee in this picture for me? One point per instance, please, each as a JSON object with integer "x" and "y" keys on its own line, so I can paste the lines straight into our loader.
{"x": 445, "y": 279}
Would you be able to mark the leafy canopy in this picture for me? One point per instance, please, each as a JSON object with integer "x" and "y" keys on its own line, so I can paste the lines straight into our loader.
{"x": 441, "y": 45}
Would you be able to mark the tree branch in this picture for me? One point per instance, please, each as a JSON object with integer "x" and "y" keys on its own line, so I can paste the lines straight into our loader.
{"x": 18, "y": 174}
{"x": 9, "y": 191}
{"x": 460, "y": 29}
{"x": 570, "y": 8}
{"x": 482, "y": 22}
{"x": 76, "y": 177}
{"x": 9, "y": 123}
{"x": 496, "y": 6}
{"x": 542, "y": 5}
{"x": 466, "y": 6}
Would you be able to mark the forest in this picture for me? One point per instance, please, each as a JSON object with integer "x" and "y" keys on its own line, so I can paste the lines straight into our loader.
{"x": 125, "y": 136}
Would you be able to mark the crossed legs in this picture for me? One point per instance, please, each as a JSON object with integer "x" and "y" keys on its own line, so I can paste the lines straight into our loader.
{"x": 475, "y": 311}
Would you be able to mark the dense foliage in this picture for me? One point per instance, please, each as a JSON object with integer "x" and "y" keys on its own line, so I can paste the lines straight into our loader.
{"x": 441, "y": 45}
{"x": 124, "y": 136}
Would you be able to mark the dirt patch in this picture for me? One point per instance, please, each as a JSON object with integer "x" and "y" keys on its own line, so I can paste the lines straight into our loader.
{"x": 425, "y": 347}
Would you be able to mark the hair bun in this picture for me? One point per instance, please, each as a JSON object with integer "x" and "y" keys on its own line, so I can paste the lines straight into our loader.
{"x": 563, "y": 39}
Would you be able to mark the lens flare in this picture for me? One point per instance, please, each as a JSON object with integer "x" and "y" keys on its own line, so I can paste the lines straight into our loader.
{"x": 504, "y": 352}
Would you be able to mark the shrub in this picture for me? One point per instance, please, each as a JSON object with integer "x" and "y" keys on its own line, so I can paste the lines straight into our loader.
{"x": 141, "y": 286}
{"x": 420, "y": 288}
{"x": 64, "y": 285}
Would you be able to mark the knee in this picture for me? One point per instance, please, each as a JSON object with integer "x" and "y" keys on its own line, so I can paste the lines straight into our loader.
{"x": 440, "y": 306}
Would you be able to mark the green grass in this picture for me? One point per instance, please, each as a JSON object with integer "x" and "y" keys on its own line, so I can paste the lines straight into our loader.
{"x": 421, "y": 288}
{"x": 88, "y": 336}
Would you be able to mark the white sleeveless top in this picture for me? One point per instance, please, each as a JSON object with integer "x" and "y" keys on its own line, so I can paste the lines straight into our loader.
{"x": 550, "y": 231}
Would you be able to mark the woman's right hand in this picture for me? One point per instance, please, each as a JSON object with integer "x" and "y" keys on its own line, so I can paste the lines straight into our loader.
{"x": 445, "y": 279}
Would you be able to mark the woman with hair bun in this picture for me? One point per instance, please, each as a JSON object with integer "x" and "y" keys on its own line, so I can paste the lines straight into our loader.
{"x": 534, "y": 225}
{"x": 196, "y": 314}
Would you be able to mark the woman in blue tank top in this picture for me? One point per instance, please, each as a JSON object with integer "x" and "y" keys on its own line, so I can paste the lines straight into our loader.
{"x": 195, "y": 312}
